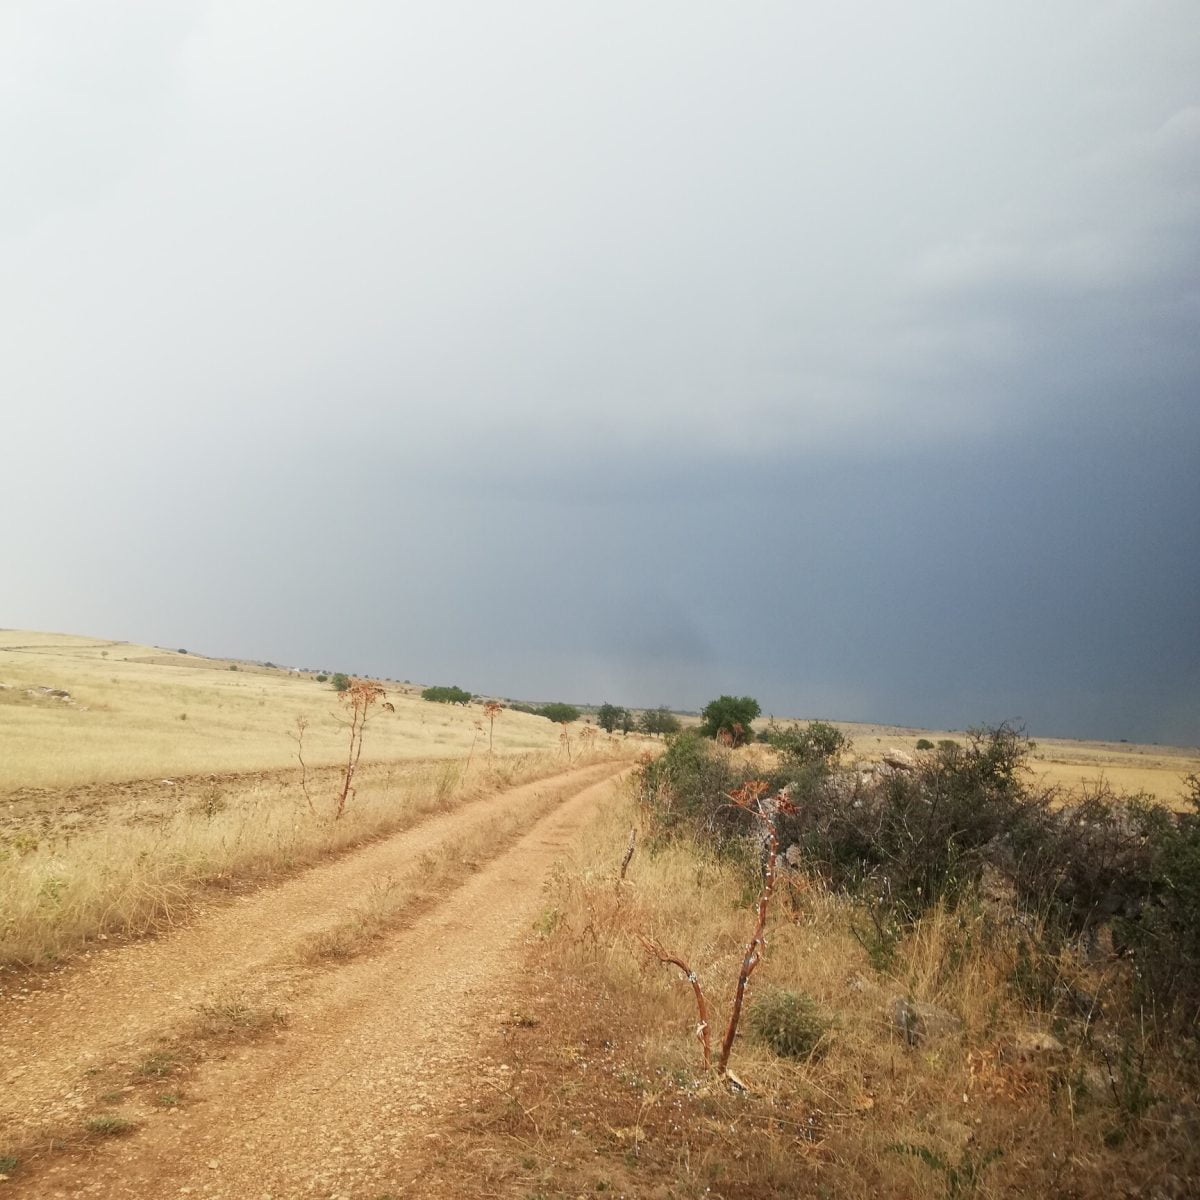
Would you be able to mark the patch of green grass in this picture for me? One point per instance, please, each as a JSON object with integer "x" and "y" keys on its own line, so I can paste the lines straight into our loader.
{"x": 789, "y": 1022}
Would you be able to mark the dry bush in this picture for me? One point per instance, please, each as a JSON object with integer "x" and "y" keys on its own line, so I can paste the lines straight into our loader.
{"x": 608, "y": 1089}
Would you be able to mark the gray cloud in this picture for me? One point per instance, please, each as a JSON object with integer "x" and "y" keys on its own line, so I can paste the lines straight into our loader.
{"x": 843, "y": 353}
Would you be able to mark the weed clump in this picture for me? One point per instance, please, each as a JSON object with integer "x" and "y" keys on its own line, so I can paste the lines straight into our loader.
{"x": 109, "y": 1125}
{"x": 790, "y": 1023}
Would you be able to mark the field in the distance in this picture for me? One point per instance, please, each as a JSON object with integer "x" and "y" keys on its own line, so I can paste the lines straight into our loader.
{"x": 136, "y": 712}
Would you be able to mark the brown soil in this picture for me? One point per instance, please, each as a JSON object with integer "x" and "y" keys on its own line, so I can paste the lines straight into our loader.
{"x": 352, "y": 1073}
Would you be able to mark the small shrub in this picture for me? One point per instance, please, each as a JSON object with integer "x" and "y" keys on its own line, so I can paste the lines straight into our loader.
{"x": 234, "y": 667}
{"x": 653, "y": 721}
{"x": 560, "y": 714}
{"x": 340, "y": 681}
{"x": 8, "y": 1164}
{"x": 924, "y": 744}
{"x": 157, "y": 1065}
{"x": 322, "y": 678}
{"x": 816, "y": 744}
{"x": 790, "y": 1023}
{"x": 687, "y": 787}
{"x": 109, "y": 1125}
{"x": 447, "y": 695}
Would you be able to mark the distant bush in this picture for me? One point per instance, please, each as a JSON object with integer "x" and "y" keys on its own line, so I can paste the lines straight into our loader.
{"x": 182, "y": 651}
{"x": 560, "y": 714}
{"x": 729, "y": 718}
{"x": 687, "y": 788}
{"x": 790, "y": 1023}
{"x": 947, "y": 744}
{"x": 446, "y": 695}
{"x": 924, "y": 744}
{"x": 322, "y": 678}
{"x": 609, "y": 717}
{"x": 340, "y": 681}
{"x": 816, "y": 744}
{"x": 659, "y": 721}
{"x": 234, "y": 667}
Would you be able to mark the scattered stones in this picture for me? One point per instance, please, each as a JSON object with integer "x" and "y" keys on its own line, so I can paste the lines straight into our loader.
{"x": 918, "y": 1021}
{"x": 898, "y": 760}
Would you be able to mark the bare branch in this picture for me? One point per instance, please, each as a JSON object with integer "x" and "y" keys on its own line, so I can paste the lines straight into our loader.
{"x": 628, "y": 852}
{"x": 665, "y": 956}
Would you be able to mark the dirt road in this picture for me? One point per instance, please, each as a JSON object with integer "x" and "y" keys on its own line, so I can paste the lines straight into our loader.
{"x": 353, "y": 1068}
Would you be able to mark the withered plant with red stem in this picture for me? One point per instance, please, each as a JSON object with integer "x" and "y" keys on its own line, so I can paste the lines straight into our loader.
{"x": 751, "y": 797}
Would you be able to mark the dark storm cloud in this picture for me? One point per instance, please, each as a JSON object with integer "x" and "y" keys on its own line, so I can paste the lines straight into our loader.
{"x": 841, "y": 354}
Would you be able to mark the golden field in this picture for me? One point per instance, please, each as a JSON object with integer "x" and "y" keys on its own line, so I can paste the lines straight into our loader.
{"x": 158, "y": 775}
{"x": 136, "y": 712}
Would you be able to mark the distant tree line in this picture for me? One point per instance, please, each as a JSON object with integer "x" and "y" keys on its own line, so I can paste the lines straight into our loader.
{"x": 560, "y": 714}
{"x": 661, "y": 720}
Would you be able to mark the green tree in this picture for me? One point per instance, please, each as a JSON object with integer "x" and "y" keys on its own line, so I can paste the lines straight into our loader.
{"x": 609, "y": 716}
{"x": 660, "y": 720}
{"x": 729, "y": 717}
{"x": 339, "y": 681}
{"x": 560, "y": 714}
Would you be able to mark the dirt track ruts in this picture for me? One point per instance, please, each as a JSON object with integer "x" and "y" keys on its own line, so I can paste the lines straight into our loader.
{"x": 339, "y": 1102}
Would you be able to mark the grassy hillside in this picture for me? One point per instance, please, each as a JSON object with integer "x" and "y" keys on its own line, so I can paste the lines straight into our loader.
{"x": 135, "y": 712}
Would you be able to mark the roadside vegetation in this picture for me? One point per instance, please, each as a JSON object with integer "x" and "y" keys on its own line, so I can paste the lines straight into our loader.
{"x": 970, "y": 985}
{"x": 131, "y": 870}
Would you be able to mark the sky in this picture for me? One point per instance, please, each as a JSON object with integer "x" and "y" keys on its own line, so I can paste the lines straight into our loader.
{"x": 846, "y": 355}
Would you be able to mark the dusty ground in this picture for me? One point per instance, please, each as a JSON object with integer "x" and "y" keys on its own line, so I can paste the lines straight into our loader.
{"x": 242, "y": 1069}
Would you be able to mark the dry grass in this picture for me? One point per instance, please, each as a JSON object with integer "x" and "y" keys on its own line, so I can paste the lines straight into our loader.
{"x": 137, "y": 868}
{"x": 603, "y": 1089}
{"x": 137, "y": 713}
{"x": 136, "y": 810}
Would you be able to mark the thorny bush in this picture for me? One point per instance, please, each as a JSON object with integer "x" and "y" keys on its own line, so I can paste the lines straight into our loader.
{"x": 966, "y": 816}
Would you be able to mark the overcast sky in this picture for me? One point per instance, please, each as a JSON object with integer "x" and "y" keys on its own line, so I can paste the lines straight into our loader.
{"x": 842, "y": 354}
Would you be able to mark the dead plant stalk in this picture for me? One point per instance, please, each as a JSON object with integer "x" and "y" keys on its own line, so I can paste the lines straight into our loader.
{"x": 358, "y": 698}
{"x": 766, "y": 809}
